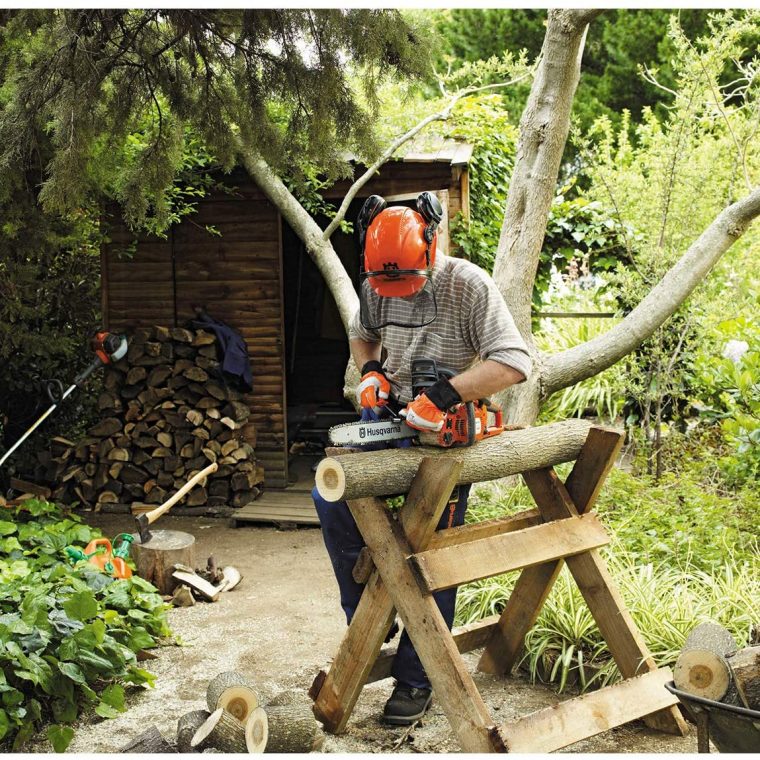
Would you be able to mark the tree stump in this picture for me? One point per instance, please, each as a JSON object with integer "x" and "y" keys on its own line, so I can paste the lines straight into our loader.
{"x": 292, "y": 727}
{"x": 220, "y": 731}
{"x": 187, "y": 725}
{"x": 150, "y": 742}
{"x": 702, "y": 667}
{"x": 257, "y": 731}
{"x": 232, "y": 691}
{"x": 155, "y": 559}
{"x": 745, "y": 670}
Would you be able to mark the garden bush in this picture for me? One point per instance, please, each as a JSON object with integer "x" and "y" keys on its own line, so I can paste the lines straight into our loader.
{"x": 69, "y": 634}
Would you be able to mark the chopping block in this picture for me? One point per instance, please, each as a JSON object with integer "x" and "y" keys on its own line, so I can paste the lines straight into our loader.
{"x": 155, "y": 559}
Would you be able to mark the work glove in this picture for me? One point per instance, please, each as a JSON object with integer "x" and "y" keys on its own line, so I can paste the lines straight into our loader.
{"x": 374, "y": 389}
{"x": 428, "y": 410}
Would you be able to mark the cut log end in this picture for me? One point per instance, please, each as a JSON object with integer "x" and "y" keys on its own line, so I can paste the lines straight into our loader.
{"x": 221, "y": 731}
{"x": 331, "y": 479}
{"x": 257, "y": 731}
{"x": 231, "y": 691}
{"x": 702, "y": 668}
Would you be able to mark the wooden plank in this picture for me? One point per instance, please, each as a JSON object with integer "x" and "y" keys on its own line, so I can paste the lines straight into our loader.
{"x": 602, "y": 596}
{"x": 590, "y": 470}
{"x": 362, "y": 642}
{"x": 451, "y": 566}
{"x": 474, "y": 531}
{"x": 535, "y": 583}
{"x": 575, "y": 719}
{"x": 453, "y": 686}
{"x": 466, "y": 638}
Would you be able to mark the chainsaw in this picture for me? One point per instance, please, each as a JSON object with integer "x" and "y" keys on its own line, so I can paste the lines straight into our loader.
{"x": 463, "y": 425}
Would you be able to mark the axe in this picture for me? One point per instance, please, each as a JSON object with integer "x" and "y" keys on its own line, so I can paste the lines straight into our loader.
{"x": 145, "y": 520}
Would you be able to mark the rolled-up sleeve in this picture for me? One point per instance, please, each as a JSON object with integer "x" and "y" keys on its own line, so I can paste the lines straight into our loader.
{"x": 490, "y": 327}
{"x": 357, "y": 331}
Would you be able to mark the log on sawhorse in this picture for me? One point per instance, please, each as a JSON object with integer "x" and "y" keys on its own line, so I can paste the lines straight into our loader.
{"x": 409, "y": 561}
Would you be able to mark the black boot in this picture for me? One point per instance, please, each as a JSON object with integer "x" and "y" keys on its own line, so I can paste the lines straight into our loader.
{"x": 406, "y": 705}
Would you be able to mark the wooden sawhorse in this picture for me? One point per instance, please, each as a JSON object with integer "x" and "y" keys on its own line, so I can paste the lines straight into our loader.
{"x": 410, "y": 560}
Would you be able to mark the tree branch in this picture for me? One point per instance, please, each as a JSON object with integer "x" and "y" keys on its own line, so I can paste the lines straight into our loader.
{"x": 320, "y": 250}
{"x": 398, "y": 142}
{"x": 578, "y": 363}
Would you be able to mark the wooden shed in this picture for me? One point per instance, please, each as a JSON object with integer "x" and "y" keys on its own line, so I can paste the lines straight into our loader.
{"x": 256, "y": 277}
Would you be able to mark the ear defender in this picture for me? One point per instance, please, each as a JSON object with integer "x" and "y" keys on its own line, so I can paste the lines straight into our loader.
{"x": 432, "y": 212}
{"x": 369, "y": 210}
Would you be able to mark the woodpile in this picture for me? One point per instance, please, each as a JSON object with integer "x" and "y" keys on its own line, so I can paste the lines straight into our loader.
{"x": 711, "y": 666}
{"x": 165, "y": 416}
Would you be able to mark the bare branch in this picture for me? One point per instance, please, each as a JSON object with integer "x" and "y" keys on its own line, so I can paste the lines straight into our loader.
{"x": 578, "y": 363}
{"x": 398, "y": 142}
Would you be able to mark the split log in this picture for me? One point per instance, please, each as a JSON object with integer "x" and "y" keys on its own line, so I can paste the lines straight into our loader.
{"x": 232, "y": 691}
{"x": 220, "y": 731}
{"x": 183, "y": 597}
{"x": 187, "y": 725}
{"x": 702, "y": 668}
{"x": 156, "y": 558}
{"x": 292, "y": 727}
{"x": 150, "y": 742}
{"x": 387, "y": 472}
{"x": 745, "y": 671}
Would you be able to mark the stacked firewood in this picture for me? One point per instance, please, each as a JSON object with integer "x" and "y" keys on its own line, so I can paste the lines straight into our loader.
{"x": 166, "y": 414}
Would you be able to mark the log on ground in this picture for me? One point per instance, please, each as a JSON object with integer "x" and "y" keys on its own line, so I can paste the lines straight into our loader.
{"x": 257, "y": 731}
{"x": 187, "y": 725}
{"x": 149, "y": 742}
{"x": 292, "y": 727}
{"x": 156, "y": 558}
{"x": 221, "y": 731}
{"x": 387, "y": 472}
{"x": 234, "y": 692}
{"x": 702, "y": 667}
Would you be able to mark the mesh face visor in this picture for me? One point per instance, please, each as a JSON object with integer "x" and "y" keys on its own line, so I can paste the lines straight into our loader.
{"x": 376, "y": 311}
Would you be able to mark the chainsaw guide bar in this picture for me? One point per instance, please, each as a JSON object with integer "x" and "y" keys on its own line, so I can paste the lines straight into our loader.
{"x": 362, "y": 433}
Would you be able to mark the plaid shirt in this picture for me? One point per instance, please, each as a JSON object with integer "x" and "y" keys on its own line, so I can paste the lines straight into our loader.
{"x": 473, "y": 322}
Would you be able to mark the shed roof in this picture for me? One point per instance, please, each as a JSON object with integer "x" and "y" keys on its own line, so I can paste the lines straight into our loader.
{"x": 425, "y": 151}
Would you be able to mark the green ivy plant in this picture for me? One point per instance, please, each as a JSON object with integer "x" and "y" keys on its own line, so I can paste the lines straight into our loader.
{"x": 68, "y": 634}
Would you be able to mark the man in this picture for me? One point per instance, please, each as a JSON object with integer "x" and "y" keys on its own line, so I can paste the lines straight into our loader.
{"x": 416, "y": 302}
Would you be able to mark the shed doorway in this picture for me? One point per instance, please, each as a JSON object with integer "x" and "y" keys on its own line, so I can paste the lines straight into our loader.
{"x": 316, "y": 350}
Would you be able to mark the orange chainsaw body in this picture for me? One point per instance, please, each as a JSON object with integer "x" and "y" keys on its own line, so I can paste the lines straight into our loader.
{"x": 469, "y": 423}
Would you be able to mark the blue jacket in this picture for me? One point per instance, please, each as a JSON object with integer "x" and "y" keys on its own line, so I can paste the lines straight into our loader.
{"x": 234, "y": 361}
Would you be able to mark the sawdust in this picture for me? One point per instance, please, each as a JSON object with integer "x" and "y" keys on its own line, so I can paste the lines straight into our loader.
{"x": 280, "y": 626}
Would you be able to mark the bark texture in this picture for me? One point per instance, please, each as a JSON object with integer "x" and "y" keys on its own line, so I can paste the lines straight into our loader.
{"x": 544, "y": 127}
{"x": 383, "y": 473}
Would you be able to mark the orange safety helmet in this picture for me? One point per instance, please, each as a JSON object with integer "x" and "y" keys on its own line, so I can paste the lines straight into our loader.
{"x": 398, "y": 244}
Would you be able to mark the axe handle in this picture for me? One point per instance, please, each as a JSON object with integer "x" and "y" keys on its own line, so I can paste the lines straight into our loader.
{"x": 154, "y": 514}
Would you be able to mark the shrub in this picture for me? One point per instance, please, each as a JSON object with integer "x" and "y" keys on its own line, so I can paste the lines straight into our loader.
{"x": 69, "y": 634}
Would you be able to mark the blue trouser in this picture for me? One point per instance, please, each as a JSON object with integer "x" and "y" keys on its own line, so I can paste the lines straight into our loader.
{"x": 344, "y": 542}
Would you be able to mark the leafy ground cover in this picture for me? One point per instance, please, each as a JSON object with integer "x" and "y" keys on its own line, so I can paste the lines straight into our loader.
{"x": 68, "y": 635}
{"x": 681, "y": 554}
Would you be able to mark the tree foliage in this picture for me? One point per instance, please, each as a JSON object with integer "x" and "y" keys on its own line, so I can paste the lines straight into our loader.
{"x": 88, "y": 79}
{"x": 618, "y": 43}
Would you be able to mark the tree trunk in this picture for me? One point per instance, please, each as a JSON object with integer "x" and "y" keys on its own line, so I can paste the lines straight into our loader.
{"x": 544, "y": 127}
{"x": 187, "y": 725}
{"x": 221, "y": 731}
{"x": 233, "y": 692}
{"x": 383, "y": 473}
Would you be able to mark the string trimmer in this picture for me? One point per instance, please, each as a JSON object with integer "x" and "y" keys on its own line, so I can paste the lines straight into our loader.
{"x": 108, "y": 348}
